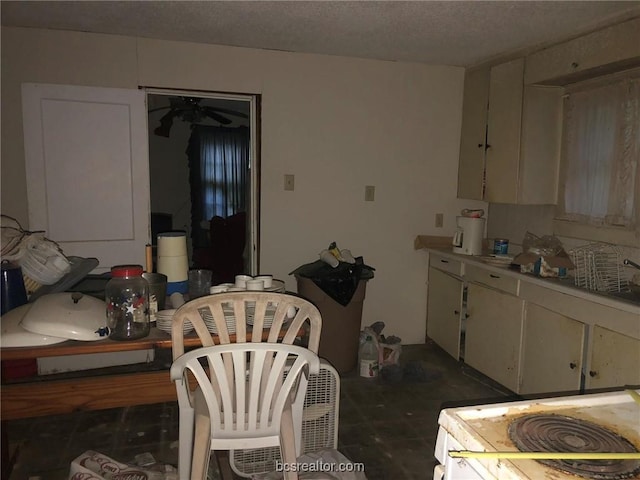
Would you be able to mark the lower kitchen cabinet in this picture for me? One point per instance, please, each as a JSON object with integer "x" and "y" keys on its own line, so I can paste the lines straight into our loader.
{"x": 493, "y": 334}
{"x": 553, "y": 347}
{"x": 615, "y": 360}
{"x": 443, "y": 311}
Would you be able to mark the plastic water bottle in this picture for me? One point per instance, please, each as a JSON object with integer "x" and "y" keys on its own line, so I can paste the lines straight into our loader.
{"x": 368, "y": 358}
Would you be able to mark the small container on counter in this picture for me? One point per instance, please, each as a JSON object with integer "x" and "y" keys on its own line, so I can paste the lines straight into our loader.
{"x": 501, "y": 246}
{"x": 127, "y": 299}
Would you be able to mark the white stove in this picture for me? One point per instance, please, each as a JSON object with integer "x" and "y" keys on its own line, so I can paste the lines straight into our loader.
{"x": 495, "y": 428}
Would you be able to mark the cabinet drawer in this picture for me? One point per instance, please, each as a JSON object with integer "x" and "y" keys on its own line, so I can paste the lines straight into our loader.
{"x": 445, "y": 264}
{"x": 492, "y": 278}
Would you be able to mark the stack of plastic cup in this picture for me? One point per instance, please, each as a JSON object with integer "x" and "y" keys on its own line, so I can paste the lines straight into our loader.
{"x": 173, "y": 261}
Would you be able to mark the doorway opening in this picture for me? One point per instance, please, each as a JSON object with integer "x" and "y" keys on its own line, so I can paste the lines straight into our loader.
{"x": 203, "y": 170}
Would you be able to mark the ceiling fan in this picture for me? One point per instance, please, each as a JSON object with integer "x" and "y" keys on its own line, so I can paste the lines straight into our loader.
{"x": 188, "y": 109}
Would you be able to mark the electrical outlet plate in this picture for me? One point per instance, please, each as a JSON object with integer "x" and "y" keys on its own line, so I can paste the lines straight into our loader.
{"x": 439, "y": 220}
{"x": 289, "y": 182}
{"x": 369, "y": 193}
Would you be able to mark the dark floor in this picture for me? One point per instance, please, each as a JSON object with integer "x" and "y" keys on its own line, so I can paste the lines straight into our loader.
{"x": 389, "y": 426}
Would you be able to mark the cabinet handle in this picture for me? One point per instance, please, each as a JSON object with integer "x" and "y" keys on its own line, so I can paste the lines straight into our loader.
{"x": 457, "y": 312}
{"x": 480, "y": 145}
{"x": 494, "y": 276}
{"x": 593, "y": 373}
{"x": 444, "y": 261}
{"x": 572, "y": 366}
{"x": 575, "y": 64}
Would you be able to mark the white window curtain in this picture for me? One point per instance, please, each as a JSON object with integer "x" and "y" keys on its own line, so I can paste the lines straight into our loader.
{"x": 601, "y": 155}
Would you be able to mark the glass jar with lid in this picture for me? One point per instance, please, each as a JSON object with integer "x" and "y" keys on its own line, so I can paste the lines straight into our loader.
{"x": 127, "y": 299}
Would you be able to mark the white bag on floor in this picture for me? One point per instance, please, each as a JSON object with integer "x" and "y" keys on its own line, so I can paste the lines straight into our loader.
{"x": 322, "y": 465}
{"x": 96, "y": 466}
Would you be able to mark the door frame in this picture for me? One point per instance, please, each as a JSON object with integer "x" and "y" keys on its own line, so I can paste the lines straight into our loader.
{"x": 254, "y": 159}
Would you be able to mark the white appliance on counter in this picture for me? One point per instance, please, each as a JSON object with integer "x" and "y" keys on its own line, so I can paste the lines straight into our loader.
{"x": 603, "y": 422}
{"x": 467, "y": 238}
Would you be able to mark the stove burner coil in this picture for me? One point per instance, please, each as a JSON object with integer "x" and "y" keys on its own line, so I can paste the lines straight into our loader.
{"x": 559, "y": 433}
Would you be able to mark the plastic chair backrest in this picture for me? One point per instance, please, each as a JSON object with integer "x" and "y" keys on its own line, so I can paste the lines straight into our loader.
{"x": 244, "y": 390}
{"x": 279, "y": 317}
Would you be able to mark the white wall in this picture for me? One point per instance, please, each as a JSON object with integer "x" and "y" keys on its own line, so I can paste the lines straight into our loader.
{"x": 336, "y": 123}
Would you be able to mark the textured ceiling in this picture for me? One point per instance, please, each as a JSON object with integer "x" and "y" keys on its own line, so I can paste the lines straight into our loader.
{"x": 460, "y": 33}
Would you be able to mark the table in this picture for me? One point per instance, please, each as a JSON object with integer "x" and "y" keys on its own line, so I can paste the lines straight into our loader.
{"x": 88, "y": 390}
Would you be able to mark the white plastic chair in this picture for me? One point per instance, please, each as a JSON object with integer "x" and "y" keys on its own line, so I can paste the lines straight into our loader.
{"x": 286, "y": 316}
{"x": 244, "y": 397}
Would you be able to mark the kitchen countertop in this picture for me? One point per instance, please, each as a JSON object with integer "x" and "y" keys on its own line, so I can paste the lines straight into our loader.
{"x": 565, "y": 286}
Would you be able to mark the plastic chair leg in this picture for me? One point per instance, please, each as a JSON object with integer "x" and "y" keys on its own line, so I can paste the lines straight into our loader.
{"x": 201, "y": 439}
{"x": 288, "y": 442}
{"x": 185, "y": 442}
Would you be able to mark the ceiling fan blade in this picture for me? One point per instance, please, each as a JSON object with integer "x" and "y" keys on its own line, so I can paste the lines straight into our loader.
{"x": 166, "y": 122}
{"x": 209, "y": 112}
{"x": 229, "y": 112}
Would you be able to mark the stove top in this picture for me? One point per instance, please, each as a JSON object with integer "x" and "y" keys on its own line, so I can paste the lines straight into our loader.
{"x": 605, "y": 422}
{"x": 563, "y": 434}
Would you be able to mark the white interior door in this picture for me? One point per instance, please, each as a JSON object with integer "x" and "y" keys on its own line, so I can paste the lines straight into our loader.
{"x": 86, "y": 156}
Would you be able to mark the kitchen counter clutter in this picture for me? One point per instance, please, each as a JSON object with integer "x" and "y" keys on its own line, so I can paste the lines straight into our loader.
{"x": 533, "y": 335}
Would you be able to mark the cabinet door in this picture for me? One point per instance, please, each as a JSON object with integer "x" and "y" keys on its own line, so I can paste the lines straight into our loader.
{"x": 503, "y": 132}
{"x": 443, "y": 311}
{"x": 540, "y": 145}
{"x": 608, "y": 50}
{"x": 473, "y": 135}
{"x": 493, "y": 334}
{"x": 552, "y": 352}
{"x": 87, "y": 166}
{"x": 615, "y": 360}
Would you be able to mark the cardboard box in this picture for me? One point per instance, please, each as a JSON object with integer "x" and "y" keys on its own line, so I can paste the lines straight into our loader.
{"x": 544, "y": 266}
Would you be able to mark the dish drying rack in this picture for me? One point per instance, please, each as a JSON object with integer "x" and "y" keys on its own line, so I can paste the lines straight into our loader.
{"x": 598, "y": 267}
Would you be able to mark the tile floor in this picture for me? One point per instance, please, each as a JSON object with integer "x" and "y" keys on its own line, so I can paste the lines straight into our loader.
{"x": 389, "y": 426}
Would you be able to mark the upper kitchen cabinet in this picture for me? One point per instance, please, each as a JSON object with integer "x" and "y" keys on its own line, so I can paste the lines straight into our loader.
{"x": 606, "y": 51}
{"x": 510, "y": 144}
{"x": 475, "y": 105}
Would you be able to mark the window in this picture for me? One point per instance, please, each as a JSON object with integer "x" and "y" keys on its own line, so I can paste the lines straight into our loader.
{"x": 601, "y": 150}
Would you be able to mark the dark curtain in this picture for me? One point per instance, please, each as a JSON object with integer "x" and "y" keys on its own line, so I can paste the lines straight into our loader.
{"x": 218, "y": 174}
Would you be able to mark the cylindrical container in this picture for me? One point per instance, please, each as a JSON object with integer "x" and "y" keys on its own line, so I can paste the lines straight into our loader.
{"x": 255, "y": 285}
{"x": 368, "y": 358}
{"x": 13, "y": 292}
{"x": 199, "y": 282}
{"x": 172, "y": 244}
{"x": 340, "y": 337}
{"x": 501, "y": 246}
{"x": 173, "y": 261}
{"x": 127, "y": 299}
{"x": 157, "y": 292}
{"x": 241, "y": 280}
{"x": 267, "y": 279}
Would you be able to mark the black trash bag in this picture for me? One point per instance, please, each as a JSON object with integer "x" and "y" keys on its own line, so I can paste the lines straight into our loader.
{"x": 341, "y": 282}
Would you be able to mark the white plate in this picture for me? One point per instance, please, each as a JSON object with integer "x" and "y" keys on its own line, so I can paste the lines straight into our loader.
{"x": 497, "y": 260}
{"x": 276, "y": 286}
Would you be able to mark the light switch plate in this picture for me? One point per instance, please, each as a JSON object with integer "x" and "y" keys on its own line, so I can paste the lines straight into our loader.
{"x": 439, "y": 220}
